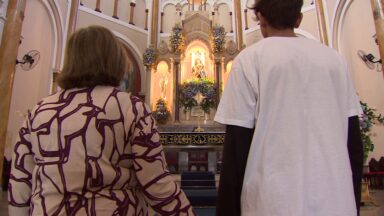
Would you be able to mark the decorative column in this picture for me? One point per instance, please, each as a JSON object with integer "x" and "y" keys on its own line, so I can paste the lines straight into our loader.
{"x": 246, "y": 19}
{"x": 115, "y": 6}
{"x": 161, "y": 22}
{"x": 176, "y": 83}
{"x": 146, "y": 19}
{"x": 239, "y": 25}
{"x": 155, "y": 23}
{"x": 132, "y": 5}
{"x": 8, "y": 53}
{"x": 378, "y": 16}
{"x": 321, "y": 22}
{"x": 217, "y": 60}
{"x": 98, "y": 6}
{"x": 230, "y": 17}
{"x": 73, "y": 18}
{"x": 148, "y": 76}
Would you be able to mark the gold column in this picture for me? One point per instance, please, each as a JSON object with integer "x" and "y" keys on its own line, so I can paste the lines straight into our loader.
{"x": 239, "y": 25}
{"x": 8, "y": 54}
{"x": 98, "y": 6}
{"x": 133, "y": 4}
{"x": 73, "y": 18}
{"x": 176, "y": 83}
{"x": 321, "y": 22}
{"x": 115, "y": 6}
{"x": 378, "y": 16}
{"x": 155, "y": 23}
{"x": 217, "y": 59}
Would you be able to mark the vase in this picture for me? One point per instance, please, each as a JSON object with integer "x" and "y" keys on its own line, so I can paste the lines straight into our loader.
{"x": 188, "y": 115}
{"x": 206, "y": 116}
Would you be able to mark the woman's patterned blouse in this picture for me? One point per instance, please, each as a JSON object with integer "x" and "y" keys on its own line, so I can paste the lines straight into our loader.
{"x": 92, "y": 151}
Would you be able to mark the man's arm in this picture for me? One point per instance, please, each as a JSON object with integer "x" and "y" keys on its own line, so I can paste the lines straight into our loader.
{"x": 356, "y": 156}
{"x": 235, "y": 153}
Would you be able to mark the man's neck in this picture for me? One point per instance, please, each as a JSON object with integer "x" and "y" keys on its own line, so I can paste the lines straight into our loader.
{"x": 272, "y": 32}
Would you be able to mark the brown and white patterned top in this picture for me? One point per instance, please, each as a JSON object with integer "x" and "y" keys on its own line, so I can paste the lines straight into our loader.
{"x": 92, "y": 151}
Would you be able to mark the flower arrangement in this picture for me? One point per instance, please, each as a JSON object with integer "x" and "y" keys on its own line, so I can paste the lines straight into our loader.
{"x": 218, "y": 39}
{"x": 177, "y": 39}
{"x": 161, "y": 114}
{"x": 149, "y": 57}
{"x": 367, "y": 120}
{"x": 189, "y": 90}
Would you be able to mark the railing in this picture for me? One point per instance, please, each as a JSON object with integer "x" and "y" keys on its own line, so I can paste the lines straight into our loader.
{"x": 120, "y": 10}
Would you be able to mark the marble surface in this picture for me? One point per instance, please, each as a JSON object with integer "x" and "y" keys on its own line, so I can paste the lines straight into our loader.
{"x": 189, "y": 126}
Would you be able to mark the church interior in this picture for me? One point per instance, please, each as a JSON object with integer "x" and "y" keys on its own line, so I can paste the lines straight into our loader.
{"x": 180, "y": 54}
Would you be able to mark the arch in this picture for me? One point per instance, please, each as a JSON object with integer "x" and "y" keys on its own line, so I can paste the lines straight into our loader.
{"x": 197, "y": 50}
{"x": 337, "y": 21}
{"x": 56, "y": 21}
{"x": 166, "y": 60}
{"x": 135, "y": 57}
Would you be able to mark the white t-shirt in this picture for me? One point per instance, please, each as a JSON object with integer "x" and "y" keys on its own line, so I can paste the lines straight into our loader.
{"x": 298, "y": 95}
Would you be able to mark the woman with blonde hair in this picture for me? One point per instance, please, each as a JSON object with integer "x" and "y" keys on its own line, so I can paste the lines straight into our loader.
{"x": 91, "y": 149}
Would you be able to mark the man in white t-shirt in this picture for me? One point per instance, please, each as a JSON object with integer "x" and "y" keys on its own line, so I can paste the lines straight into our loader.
{"x": 291, "y": 103}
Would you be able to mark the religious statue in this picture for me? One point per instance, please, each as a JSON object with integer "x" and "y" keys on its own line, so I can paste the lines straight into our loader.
{"x": 198, "y": 69}
{"x": 163, "y": 83}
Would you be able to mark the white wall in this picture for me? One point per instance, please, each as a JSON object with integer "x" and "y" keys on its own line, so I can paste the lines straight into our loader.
{"x": 356, "y": 34}
{"x": 30, "y": 86}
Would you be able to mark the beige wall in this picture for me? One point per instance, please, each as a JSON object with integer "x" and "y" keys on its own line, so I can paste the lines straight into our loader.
{"x": 170, "y": 18}
{"x": 356, "y": 34}
{"x": 309, "y": 23}
{"x": 30, "y": 86}
{"x": 222, "y": 17}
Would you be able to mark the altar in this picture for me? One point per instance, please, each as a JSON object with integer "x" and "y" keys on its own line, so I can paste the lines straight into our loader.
{"x": 190, "y": 70}
{"x": 188, "y": 151}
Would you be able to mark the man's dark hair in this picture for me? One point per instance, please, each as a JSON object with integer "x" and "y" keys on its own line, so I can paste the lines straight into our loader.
{"x": 280, "y": 14}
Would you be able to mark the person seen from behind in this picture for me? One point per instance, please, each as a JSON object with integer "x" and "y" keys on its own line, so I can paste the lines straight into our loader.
{"x": 91, "y": 149}
{"x": 292, "y": 145}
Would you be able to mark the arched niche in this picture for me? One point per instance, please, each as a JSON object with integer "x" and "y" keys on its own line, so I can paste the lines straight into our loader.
{"x": 170, "y": 18}
{"x": 161, "y": 84}
{"x": 197, "y": 51}
{"x": 132, "y": 78}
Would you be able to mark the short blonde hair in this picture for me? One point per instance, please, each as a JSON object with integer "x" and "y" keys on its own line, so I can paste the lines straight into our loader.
{"x": 94, "y": 56}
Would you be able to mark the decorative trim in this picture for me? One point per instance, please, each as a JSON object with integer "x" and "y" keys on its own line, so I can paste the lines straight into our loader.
{"x": 190, "y": 138}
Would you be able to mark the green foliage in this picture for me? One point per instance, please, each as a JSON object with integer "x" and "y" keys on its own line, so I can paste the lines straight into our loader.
{"x": 367, "y": 120}
{"x": 177, "y": 39}
{"x": 189, "y": 90}
{"x": 161, "y": 114}
{"x": 149, "y": 57}
{"x": 218, "y": 39}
